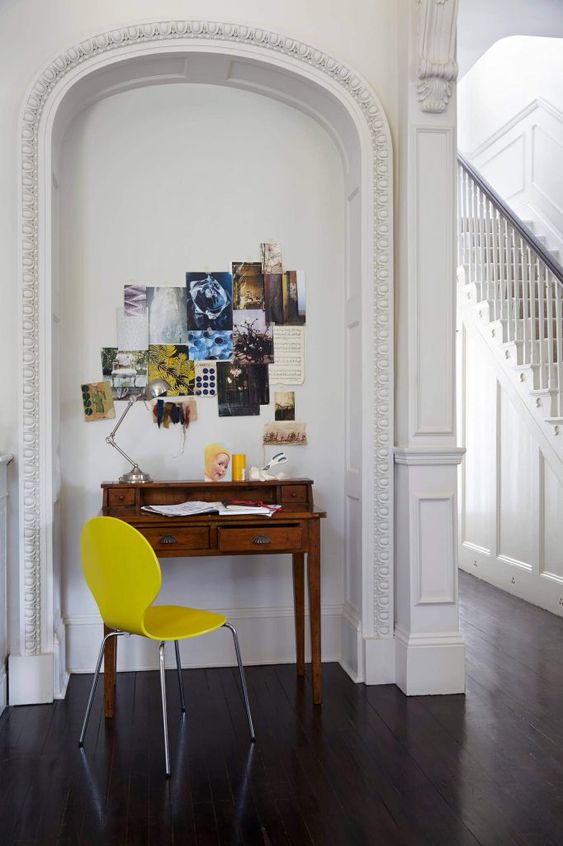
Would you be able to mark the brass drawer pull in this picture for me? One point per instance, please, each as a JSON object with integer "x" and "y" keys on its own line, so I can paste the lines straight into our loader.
{"x": 261, "y": 539}
{"x": 168, "y": 539}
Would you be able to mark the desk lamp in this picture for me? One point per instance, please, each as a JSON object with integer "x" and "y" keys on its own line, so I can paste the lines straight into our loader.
{"x": 154, "y": 389}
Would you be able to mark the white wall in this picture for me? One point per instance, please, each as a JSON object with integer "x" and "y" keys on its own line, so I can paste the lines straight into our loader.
{"x": 510, "y": 109}
{"x": 152, "y": 183}
{"x": 33, "y": 31}
{"x": 510, "y": 498}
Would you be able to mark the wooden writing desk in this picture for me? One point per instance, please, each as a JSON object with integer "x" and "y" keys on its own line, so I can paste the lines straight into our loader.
{"x": 295, "y": 529}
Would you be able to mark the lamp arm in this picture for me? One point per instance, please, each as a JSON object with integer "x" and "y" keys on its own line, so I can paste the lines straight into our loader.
{"x": 111, "y": 437}
{"x": 111, "y": 442}
{"x": 131, "y": 402}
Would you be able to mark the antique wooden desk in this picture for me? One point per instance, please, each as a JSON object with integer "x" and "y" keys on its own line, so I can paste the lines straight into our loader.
{"x": 295, "y": 529}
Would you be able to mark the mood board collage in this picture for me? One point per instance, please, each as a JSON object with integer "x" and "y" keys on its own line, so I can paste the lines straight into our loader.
{"x": 224, "y": 336}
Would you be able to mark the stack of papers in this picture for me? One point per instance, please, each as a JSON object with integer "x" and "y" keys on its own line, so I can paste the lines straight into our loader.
{"x": 265, "y": 510}
{"x": 185, "y": 509}
{"x": 193, "y": 507}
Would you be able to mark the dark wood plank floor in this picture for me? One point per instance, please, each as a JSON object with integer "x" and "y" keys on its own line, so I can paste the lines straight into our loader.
{"x": 370, "y": 767}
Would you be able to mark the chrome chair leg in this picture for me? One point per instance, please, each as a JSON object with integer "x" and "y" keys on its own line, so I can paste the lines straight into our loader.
{"x": 94, "y": 684}
{"x": 180, "y": 679}
{"x": 164, "y": 717}
{"x": 242, "y": 679}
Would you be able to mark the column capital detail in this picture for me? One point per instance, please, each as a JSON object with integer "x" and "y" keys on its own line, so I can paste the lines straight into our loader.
{"x": 437, "y": 65}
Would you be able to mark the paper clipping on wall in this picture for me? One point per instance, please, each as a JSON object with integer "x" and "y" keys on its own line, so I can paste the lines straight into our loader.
{"x": 132, "y": 331}
{"x": 284, "y": 405}
{"x": 135, "y": 300}
{"x": 288, "y": 433}
{"x": 168, "y": 319}
{"x": 170, "y": 362}
{"x": 271, "y": 257}
{"x": 97, "y": 401}
{"x": 125, "y": 370}
{"x": 289, "y": 347}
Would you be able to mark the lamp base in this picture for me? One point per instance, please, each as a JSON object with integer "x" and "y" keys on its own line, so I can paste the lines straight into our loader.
{"x": 135, "y": 477}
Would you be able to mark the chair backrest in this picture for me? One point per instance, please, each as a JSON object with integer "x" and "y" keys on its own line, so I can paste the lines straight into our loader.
{"x": 122, "y": 571}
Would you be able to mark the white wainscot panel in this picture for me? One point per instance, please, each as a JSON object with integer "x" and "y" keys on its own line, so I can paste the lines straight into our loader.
{"x": 354, "y": 226}
{"x": 433, "y": 265}
{"x": 552, "y": 523}
{"x": 518, "y": 488}
{"x": 353, "y": 535}
{"x": 435, "y": 551}
{"x": 505, "y": 169}
{"x": 547, "y": 175}
{"x": 478, "y": 469}
{"x": 354, "y": 398}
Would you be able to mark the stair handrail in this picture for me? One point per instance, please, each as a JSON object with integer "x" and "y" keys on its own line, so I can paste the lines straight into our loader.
{"x": 554, "y": 266}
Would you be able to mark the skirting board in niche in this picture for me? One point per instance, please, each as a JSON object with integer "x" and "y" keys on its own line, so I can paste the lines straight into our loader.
{"x": 225, "y": 335}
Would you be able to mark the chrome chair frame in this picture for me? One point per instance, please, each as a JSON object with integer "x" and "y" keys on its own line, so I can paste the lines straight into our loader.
{"x": 161, "y": 649}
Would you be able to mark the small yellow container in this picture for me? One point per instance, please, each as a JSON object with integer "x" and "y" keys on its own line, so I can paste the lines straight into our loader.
{"x": 239, "y": 467}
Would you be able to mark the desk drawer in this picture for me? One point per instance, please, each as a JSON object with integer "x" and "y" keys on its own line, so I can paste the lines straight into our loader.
{"x": 294, "y": 493}
{"x": 121, "y": 496}
{"x": 167, "y": 540}
{"x": 262, "y": 539}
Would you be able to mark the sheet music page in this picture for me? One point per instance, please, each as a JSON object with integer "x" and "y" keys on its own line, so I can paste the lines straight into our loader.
{"x": 289, "y": 356}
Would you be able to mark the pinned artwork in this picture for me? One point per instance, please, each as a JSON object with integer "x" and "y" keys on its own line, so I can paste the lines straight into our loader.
{"x": 210, "y": 300}
{"x": 252, "y": 340}
{"x": 216, "y": 460}
{"x": 171, "y": 363}
{"x": 258, "y": 384}
{"x": 248, "y": 285}
{"x": 289, "y": 367}
{"x": 132, "y": 331}
{"x": 126, "y": 371}
{"x": 167, "y": 312}
{"x": 233, "y": 391}
{"x": 284, "y": 405}
{"x": 271, "y": 257}
{"x": 286, "y": 433}
{"x": 97, "y": 401}
{"x": 205, "y": 379}
{"x": 293, "y": 297}
{"x": 273, "y": 297}
{"x": 210, "y": 345}
{"x": 135, "y": 300}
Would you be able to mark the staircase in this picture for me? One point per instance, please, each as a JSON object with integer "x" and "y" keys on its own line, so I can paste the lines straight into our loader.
{"x": 511, "y": 292}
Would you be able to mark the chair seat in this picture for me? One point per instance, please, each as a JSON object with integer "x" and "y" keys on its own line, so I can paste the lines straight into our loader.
{"x": 176, "y": 622}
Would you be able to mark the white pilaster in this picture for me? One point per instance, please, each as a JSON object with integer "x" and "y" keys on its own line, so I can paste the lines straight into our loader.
{"x": 429, "y": 651}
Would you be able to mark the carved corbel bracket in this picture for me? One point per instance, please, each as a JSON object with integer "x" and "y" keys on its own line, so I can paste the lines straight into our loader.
{"x": 437, "y": 66}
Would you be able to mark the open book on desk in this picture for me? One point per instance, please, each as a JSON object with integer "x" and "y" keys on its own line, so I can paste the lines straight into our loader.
{"x": 223, "y": 509}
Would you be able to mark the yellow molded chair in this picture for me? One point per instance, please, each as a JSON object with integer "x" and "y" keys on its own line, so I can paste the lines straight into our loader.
{"x": 123, "y": 573}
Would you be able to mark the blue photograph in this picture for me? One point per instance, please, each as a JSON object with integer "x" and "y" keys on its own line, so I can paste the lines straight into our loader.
{"x": 210, "y": 300}
{"x": 209, "y": 345}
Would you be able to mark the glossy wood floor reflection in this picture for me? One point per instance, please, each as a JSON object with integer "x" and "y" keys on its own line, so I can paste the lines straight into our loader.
{"x": 370, "y": 767}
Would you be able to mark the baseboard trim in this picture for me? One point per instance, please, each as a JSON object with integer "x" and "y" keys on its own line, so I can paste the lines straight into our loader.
{"x": 30, "y": 679}
{"x": 267, "y": 636}
{"x": 3, "y": 689}
{"x": 429, "y": 662}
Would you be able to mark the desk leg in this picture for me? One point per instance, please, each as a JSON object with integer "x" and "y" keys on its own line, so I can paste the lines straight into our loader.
{"x": 110, "y": 662}
{"x": 314, "y": 581}
{"x": 299, "y": 606}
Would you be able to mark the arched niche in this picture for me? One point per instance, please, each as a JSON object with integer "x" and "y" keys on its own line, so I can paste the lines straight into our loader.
{"x": 306, "y": 78}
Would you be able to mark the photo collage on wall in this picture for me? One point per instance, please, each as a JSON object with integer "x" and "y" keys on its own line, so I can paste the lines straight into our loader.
{"x": 213, "y": 337}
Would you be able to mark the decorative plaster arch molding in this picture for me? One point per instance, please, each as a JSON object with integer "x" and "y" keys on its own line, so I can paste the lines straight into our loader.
{"x": 362, "y": 105}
